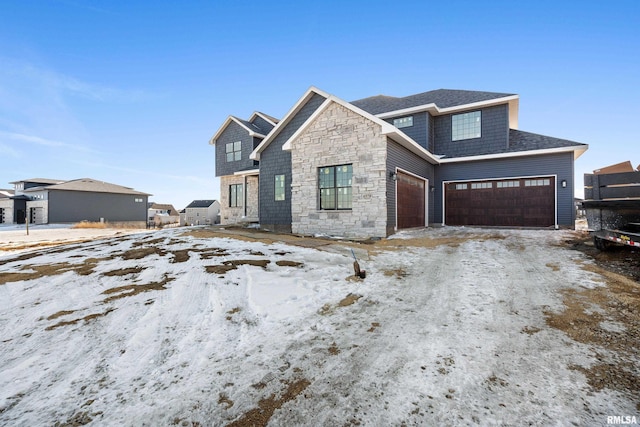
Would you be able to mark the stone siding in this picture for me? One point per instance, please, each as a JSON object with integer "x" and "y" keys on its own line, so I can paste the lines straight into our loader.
{"x": 234, "y": 215}
{"x": 339, "y": 136}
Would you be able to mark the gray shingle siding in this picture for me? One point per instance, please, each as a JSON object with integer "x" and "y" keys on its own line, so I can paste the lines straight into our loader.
{"x": 494, "y": 131}
{"x": 419, "y": 131}
{"x": 233, "y": 132}
{"x": 76, "y": 206}
{"x": 560, "y": 164}
{"x": 400, "y": 157}
{"x": 265, "y": 126}
{"x": 274, "y": 161}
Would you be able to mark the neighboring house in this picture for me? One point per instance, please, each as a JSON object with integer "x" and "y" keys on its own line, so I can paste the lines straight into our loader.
{"x": 51, "y": 201}
{"x": 162, "y": 214}
{"x": 6, "y": 206}
{"x": 202, "y": 212}
{"x": 370, "y": 167}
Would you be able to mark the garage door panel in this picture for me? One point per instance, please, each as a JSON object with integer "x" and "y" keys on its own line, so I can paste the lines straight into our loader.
{"x": 514, "y": 202}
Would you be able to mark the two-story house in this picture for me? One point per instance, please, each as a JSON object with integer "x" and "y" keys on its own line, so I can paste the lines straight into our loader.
{"x": 370, "y": 167}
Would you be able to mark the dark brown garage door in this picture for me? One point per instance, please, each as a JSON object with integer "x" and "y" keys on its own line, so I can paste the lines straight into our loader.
{"x": 410, "y": 201}
{"x": 526, "y": 202}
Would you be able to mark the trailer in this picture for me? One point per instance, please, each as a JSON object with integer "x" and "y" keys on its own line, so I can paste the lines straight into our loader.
{"x": 612, "y": 208}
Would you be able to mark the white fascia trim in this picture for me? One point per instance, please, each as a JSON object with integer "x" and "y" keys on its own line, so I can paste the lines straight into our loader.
{"x": 435, "y": 110}
{"x": 230, "y": 119}
{"x": 578, "y": 151}
{"x": 387, "y": 129}
{"x": 255, "y": 155}
{"x": 259, "y": 114}
{"x": 247, "y": 172}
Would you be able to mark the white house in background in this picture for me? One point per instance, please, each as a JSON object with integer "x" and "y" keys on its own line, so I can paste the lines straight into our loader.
{"x": 158, "y": 213}
{"x": 202, "y": 212}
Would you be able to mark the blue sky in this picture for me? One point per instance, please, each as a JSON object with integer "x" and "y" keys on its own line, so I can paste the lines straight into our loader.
{"x": 131, "y": 92}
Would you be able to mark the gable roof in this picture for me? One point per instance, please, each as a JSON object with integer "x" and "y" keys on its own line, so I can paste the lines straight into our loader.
{"x": 440, "y": 99}
{"x": 164, "y": 207}
{"x": 5, "y": 193}
{"x": 387, "y": 129}
{"x": 200, "y": 204}
{"x": 266, "y": 117}
{"x": 255, "y": 155}
{"x": 252, "y": 129}
{"x": 89, "y": 185}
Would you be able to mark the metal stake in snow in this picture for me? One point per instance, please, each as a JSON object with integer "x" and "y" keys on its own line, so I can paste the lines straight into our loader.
{"x": 356, "y": 267}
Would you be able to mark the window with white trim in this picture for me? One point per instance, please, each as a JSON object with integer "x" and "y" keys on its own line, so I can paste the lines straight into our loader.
{"x": 403, "y": 122}
{"x": 234, "y": 151}
{"x": 334, "y": 183}
{"x": 466, "y": 126}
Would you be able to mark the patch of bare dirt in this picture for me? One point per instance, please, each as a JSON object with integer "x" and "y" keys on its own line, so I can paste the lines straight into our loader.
{"x": 74, "y": 321}
{"x": 131, "y": 290}
{"x": 143, "y": 252}
{"x": 349, "y": 300}
{"x": 124, "y": 271}
{"x": 260, "y": 416}
{"x": 233, "y": 264}
{"x": 180, "y": 255}
{"x": 39, "y": 271}
{"x": 607, "y": 318}
{"x": 399, "y": 273}
{"x": 285, "y": 263}
{"x": 619, "y": 259}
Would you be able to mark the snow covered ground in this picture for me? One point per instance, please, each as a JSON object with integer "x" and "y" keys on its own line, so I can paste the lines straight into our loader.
{"x": 168, "y": 328}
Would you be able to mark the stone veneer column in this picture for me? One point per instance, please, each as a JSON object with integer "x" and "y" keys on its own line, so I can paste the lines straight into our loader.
{"x": 339, "y": 136}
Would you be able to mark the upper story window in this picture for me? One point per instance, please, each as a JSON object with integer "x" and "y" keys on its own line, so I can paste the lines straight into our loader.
{"x": 234, "y": 151}
{"x": 403, "y": 122}
{"x": 335, "y": 187}
{"x": 466, "y": 126}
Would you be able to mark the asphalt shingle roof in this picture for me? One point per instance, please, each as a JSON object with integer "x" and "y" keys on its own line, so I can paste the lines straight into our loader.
{"x": 443, "y": 98}
{"x": 91, "y": 185}
{"x": 526, "y": 141}
{"x": 200, "y": 204}
{"x": 251, "y": 126}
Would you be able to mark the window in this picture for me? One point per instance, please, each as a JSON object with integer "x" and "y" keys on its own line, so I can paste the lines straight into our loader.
{"x": 403, "y": 122}
{"x": 234, "y": 151}
{"x": 536, "y": 182}
{"x": 137, "y": 200}
{"x": 335, "y": 187}
{"x": 235, "y": 195}
{"x": 461, "y": 186}
{"x": 479, "y": 185}
{"x": 465, "y": 126}
{"x": 507, "y": 184}
{"x": 279, "y": 188}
